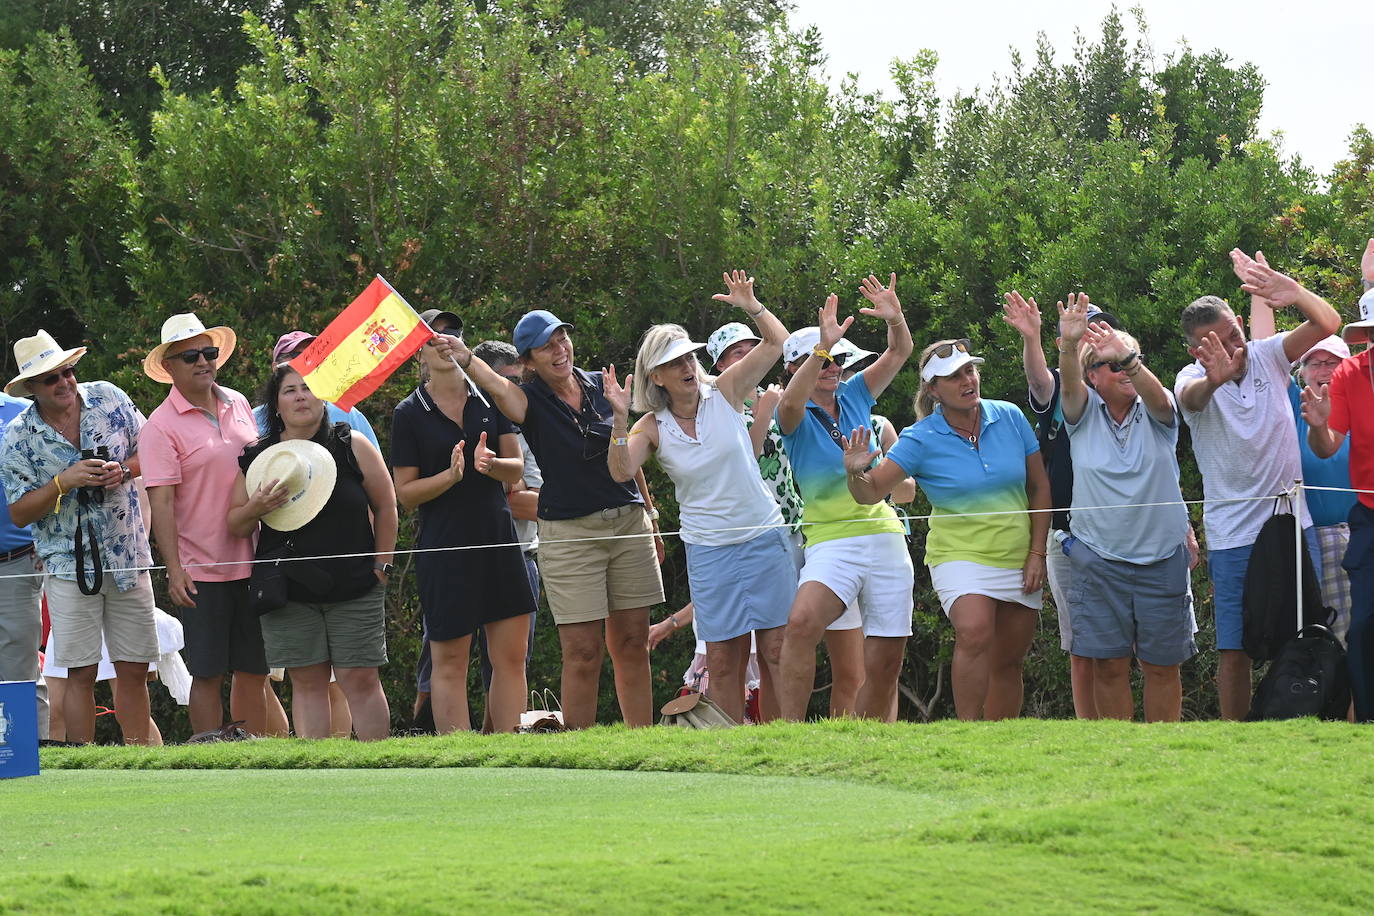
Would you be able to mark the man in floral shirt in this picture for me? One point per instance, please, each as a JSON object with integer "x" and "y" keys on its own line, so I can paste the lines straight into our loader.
{"x": 68, "y": 463}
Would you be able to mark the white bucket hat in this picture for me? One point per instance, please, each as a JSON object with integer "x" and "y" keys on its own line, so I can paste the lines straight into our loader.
{"x": 184, "y": 327}
{"x": 1361, "y": 327}
{"x": 36, "y": 356}
{"x": 958, "y": 357}
{"x": 309, "y": 472}
{"x": 675, "y": 349}
{"x": 847, "y": 353}
{"x": 725, "y": 337}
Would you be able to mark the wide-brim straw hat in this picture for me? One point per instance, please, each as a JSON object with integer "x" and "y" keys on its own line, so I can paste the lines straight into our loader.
{"x": 37, "y": 356}
{"x": 309, "y": 472}
{"x": 184, "y": 327}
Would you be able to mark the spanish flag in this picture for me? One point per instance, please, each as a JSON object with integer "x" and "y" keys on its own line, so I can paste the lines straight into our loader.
{"x": 362, "y": 347}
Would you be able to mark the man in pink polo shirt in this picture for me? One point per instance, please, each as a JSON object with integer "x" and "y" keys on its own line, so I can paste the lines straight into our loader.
{"x": 190, "y": 447}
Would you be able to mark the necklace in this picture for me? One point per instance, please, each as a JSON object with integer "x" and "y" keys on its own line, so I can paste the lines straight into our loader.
{"x": 694, "y": 412}
{"x": 970, "y": 433}
{"x": 64, "y": 429}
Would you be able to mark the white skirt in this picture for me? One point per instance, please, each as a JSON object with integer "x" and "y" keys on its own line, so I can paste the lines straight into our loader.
{"x": 956, "y": 578}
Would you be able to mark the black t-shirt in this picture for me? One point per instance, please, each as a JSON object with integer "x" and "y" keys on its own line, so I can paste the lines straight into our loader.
{"x": 1053, "y": 436}
{"x": 571, "y": 450}
{"x": 474, "y": 510}
{"x": 343, "y": 526}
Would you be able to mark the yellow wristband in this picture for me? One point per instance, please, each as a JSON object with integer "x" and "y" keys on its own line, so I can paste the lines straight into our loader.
{"x": 57, "y": 482}
{"x": 823, "y": 353}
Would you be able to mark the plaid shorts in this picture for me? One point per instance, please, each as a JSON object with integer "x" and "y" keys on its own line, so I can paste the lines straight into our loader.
{"x": 1333, "y": 540}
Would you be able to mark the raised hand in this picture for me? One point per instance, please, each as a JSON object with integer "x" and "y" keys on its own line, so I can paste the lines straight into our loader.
{"x": 858, "y": 451}
{"x": 1241, "y": 265}
{"x": 886, "y": 305}
{"x": 1106, "y": 343}
{"x": 619, "y": 397}
{"x": 1367, "y": 262}
{"x": 456, "y": 462}
{"x": 449, "y": 347}
{"x": 767, "y": 403}
{"x": 1022, "y": 314}
{"x": 1267, "y": 285}
{"x": 1073, "y": 318}
{"x": 831, "y": 330}
{"x": 482, "y": 457}
{"x": 1316, "y": 406}
{"x": 1221, "y": 367}
{"x": 741, "y": 291}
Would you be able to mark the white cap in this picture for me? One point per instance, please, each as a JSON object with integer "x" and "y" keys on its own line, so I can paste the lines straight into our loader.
{"x": 800, "y": 344}
{"x": 680, "y": 347}
{"x": 1361, "y": 327}
{"x": 1333, "y": 345}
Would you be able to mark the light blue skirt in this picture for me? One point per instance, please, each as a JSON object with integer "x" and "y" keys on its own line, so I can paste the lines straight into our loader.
{"x": 738, "y": 588}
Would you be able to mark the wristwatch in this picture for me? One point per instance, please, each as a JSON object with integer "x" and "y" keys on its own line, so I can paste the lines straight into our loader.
{"x": 384, "y": 568}
{"x": 128, "y": 474}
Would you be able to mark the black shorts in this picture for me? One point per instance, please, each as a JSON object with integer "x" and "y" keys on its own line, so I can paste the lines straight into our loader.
{"x": 222, "y": 631}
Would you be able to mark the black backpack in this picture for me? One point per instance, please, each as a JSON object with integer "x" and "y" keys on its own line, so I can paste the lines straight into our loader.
{"x": 1269, "y": 601}
{"x": 1309, "y": 678}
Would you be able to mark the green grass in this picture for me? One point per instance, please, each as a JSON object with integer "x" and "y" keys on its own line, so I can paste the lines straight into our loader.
{"x": 842, "y": 817}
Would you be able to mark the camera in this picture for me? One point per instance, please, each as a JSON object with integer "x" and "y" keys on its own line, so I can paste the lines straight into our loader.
{"x": 100, "y": 453}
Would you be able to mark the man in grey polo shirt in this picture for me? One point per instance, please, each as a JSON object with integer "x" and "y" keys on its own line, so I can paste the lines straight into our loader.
{"x": 1130, "y": 565}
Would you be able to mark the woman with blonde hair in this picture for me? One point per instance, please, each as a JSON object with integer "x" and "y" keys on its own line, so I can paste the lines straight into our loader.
{"x": 739, "y": 560}
{"x": 976, "y": 460}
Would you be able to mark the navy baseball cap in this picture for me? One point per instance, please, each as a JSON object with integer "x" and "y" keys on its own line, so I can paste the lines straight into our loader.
{"x": 535, "y": 329}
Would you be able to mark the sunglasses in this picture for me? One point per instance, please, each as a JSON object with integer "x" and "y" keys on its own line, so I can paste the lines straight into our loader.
{"x": 451, "y": 332}
{"x": 838, "y": 359}
{"x": 51, "y": 379}
{"x": 946, "y": 350}
{"x": 191, "y": 357}
{"x": 1114, "y": 366}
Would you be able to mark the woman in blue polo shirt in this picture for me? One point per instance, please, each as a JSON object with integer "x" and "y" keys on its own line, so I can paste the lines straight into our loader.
{"x": 597, "y": 537}
{"x": 971, "y": 455}
{"x": 854, "y": 554}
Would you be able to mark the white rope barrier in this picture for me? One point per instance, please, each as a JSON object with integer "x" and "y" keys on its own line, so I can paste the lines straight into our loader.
{"x": 416, "y": 551}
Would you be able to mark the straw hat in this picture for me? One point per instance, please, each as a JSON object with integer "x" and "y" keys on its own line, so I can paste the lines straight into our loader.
{"x": 36, "y": 356}
{"x": 184, "y": 327}
{"x": 307, "y": 469}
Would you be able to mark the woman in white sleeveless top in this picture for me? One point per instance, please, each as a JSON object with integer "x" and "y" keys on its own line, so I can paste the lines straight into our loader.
{"x": 739, "y": 561}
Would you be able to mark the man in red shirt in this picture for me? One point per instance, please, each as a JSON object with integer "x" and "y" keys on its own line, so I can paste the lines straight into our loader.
{"x": 1345, "y": 407}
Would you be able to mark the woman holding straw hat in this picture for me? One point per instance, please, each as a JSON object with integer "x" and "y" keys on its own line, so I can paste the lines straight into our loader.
{"x": 312, "y": 489}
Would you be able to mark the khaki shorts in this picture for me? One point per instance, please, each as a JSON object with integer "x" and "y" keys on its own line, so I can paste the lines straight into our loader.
{"x": 125, "y": 619}
{"x": 586, "y": 578}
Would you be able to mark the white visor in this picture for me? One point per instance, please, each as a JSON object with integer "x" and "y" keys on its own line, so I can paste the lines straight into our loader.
{"x": 675, "y": 349}
{"x": 940, "y": 366}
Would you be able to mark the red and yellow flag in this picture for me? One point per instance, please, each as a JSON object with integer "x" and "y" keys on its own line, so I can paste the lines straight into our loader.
{"x": 362, "y": 347}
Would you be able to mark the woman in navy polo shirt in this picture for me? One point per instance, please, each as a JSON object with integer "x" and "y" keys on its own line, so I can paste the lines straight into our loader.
{"x": 597, "y": 537}
{"x": 972, "y": 456}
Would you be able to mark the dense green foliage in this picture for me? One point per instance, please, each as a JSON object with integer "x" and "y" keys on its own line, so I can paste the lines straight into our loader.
{"x": 844, "y": 817}
{"x": 607, "y": 161}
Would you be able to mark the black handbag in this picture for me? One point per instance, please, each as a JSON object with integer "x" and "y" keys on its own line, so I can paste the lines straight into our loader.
{"x": 267, "y": 585}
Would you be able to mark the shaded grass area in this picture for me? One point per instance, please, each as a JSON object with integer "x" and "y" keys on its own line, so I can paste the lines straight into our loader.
{"x": 842, "y": 816}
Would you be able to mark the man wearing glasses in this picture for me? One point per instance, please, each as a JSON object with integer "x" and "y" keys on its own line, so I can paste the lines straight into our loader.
{"x": 68, "y": 463}
{"x": 190, "y": 448}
